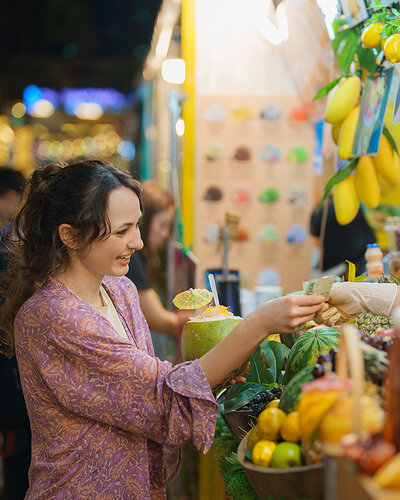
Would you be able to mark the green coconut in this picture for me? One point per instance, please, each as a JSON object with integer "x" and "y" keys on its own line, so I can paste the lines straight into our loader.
{"x": 199, "y": 336}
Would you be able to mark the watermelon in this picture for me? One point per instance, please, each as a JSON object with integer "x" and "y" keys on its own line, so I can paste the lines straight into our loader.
{"x": 309, "y": 346}
{"x": 291, "y": 393}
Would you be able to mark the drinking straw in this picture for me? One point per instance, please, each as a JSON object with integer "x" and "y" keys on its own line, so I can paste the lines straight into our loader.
{"x": 213, "y": 288}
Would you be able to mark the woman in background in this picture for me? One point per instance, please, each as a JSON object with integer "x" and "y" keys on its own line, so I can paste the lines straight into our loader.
{"x": 145, "y": 265}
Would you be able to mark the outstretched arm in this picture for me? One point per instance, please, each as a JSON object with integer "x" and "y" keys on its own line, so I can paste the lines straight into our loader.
{"x": 283, "y": 315}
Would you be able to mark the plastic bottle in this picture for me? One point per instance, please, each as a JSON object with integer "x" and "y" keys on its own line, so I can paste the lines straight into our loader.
{"x": 373, "y": 256}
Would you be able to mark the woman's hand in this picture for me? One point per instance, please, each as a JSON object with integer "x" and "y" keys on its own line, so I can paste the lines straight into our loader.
{"x": 240, "y": 376}
{"x": 286, "y": 314}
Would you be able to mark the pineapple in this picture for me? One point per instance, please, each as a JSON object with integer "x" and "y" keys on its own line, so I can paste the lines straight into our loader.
{"x": 369, "y": 323}
{"x": 375, "y": 363}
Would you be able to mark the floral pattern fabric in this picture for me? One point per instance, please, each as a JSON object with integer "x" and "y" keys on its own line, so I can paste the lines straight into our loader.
{"x": 108, "y": 418}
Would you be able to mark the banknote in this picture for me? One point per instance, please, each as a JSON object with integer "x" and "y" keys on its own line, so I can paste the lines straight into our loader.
{"x": 320, "y": 286}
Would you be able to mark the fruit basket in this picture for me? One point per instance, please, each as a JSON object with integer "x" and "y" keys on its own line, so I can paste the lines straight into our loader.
{"x": 297, "y": 482}
{"x": 240, "y": 421}
{"x": 345, "y": 480}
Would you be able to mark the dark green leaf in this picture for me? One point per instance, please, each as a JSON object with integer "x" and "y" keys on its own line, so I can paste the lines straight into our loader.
{"x": 325, "y": 90}
{"x": 289, "y": 339}
{"x": 389, "y": 137}
{"x": 339, "y": 176}
{"x": 248, "y": 455}
{"x": 258, "y": 371}
{"x": 271, "y": 362}
{"x": 281, "y": 351}
{"x": 396, "y": 12}
{"x": 367, "y": 58}
{"x": 239, "y": 395}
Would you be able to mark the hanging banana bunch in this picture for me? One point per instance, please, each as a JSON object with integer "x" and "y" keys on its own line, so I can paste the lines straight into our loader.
{"x": 364, "y": 48}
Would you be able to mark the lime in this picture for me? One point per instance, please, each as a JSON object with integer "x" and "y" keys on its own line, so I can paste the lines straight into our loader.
{"x": 286, "y": 455}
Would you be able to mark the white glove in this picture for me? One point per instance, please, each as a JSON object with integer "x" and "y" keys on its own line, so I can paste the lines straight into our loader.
{"x": 352, "y": 298}
{"x": 328, "y": 315}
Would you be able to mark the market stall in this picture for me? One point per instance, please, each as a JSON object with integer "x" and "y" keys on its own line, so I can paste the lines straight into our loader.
{"x": 263, "y": 145}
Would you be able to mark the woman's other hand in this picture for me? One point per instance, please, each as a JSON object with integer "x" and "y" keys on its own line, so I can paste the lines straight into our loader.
{"x": 352, "y": 298}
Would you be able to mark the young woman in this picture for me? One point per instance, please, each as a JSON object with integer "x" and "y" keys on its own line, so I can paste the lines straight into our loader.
{"x": 108, "y": 418}
{"x": 158, "y": 218}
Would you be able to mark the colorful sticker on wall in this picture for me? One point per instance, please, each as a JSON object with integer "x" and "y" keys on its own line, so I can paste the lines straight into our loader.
{"x": 297, "y": 195}
{"x": 296, "y": 234}
{"x": 269, "y": 277}
{"x": 271, "y": 112}
{"x": 241, "y": 194}
{"x": 269, "y": 195}
{"x": 270, "y": 153}
{"x": 213, "y": 193}
{"x": 211, "y": 233}
{"x": 242, "y": 113}
{"x": 268, "y": 234}
{"x": 214, "y": 151}
{"x": 242, "y": 234}
{"x": 214, "y": 113}
{"x": 298, "y": 154}
{"x": 300, "y": 113}
{"x": 242, "y": 153}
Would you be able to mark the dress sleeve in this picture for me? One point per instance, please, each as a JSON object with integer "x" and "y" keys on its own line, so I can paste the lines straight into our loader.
{"x": 111, "y": 381}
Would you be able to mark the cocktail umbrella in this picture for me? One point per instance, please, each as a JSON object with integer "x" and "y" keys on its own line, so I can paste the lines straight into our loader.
{"x": 194, "y": 298}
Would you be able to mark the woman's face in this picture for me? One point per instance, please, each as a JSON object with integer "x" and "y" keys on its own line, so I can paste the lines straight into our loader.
{"x": 160, "y": 228}
{"x": 111, "y": 257}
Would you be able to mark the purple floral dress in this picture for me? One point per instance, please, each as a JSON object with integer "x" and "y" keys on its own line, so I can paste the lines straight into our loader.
{"x": 108, "y": 418}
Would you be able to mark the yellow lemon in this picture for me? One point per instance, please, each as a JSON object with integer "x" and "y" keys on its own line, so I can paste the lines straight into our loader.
{"x": 371, "y": 35}
{"x": 392, "y": 48}
{"x": 290, "y": 430}
{"x": 262, "y": 452}
{"x": 273, "y": 404}
{"x": 254, "y": 436}
{"x": 270, "y": 421}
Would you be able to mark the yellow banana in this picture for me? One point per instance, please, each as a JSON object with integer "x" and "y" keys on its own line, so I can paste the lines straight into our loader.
{"x": 345, "y": 200}
{"x": 343, "y": 99}
{"x": 335, "y": 131}
{"x": 367, "y": 183}
{"x": 346, "y": 135}
{"x": 387, "y": 162}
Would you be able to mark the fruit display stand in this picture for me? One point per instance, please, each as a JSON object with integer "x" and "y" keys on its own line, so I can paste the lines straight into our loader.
{"x": 350, "y": 485}
{"x": 297, "y": 482}
{"x": 343, "y": 480}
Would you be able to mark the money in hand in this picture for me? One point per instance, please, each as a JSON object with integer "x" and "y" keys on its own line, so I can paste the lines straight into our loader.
{"x": 320, "y": 286}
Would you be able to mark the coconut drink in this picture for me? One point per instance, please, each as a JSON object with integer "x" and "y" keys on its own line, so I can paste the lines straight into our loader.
{"x": 203, "y": 332}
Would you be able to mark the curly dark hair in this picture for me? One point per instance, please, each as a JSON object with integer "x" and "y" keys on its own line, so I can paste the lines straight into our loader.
{"x": 74, "y": 193}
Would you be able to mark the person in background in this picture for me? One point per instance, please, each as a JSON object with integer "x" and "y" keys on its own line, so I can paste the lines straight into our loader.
{"x": 342, "y": 243}
{"x": 108, "y": 418}
{"x": 144, "y": 269}
{"x": 14, "y": 423}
